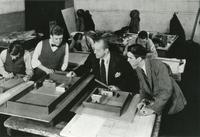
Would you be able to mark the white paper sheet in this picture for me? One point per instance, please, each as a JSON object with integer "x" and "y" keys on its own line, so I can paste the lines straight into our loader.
{"x": 174, "y": 64}
{"x": 69, "y": 18}
{"x": 83, "y": 126}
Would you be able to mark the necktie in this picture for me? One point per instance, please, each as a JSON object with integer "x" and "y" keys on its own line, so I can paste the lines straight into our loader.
{"x": 103, "y": 72}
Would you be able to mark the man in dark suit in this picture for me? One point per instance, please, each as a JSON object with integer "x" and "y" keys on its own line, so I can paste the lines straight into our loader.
{"x": 109, "y": 68}
{"x": 158, "y": 90}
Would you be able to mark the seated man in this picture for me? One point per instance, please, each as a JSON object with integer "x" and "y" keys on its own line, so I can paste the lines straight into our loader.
{"x": 158, "y": 89}
{"x": 146, "y": 42}
{"x": 110, "y": 68}
{"x": 50, "y": 54}
{"x": 15, "y": 60}
{"x": 81, "y": 42}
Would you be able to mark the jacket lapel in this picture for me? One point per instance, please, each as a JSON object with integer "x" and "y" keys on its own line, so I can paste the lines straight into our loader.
{"x": 148, "y": 71}
{"x": 143, "y": 80}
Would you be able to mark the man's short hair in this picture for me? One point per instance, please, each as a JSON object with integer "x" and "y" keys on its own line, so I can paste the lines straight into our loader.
{"x": 143, "y": 35}
{"x": 78, "y": 36}
{"x": 99, "y": 37}
{"x": 16, "y": 48}
{"x": 138, "y": 50}
{"x": 56, "y": 30}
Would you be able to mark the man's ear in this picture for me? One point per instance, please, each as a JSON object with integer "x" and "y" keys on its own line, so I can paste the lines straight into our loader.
{"x": 51, "y": 36}
{"x": 139, "y": 59}
{"x": 107, "y": 50}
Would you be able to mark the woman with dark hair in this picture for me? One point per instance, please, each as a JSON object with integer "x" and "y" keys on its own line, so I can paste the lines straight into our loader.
{"x": 15, "y": 60}
{"x": 158, "y": 90}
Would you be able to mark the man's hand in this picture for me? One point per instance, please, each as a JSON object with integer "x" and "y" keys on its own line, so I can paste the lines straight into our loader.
{"x": 8, "y": 75}
{"x": 146, "y": 111}
{"x": 45, "y": 69}
{"x": 71, "y": 74}
{"x": 113, "y": 88}
{"x": 26, "y": 78}
{"x": 141, "y": 105}
{"x": 49, "y": 71}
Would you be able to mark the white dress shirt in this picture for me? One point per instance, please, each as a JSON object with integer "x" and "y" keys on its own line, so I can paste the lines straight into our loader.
{"x": 106, "y": 63}
{"x": 35, "y": 60}
{"x": 27, "y": 61}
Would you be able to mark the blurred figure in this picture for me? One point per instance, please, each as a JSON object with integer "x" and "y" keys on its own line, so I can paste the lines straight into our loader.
{"x": 89, "y": 23}
{"x": 80, "y": 22}
{"x": 134, "y": 25}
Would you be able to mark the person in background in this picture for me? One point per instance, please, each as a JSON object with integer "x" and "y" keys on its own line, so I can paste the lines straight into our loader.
{"x": 81, "y": 42}
{"x": 109, "y": 68}
{"x": 158, "y": 90}
{"x": 15, "y": 60}
{"x": 134, "y": 25}
{"x": 89, "y": 23}
{"x": 146, "y": 42}
{"x": 80, "y": 22}
{"x": 50, "y": 54}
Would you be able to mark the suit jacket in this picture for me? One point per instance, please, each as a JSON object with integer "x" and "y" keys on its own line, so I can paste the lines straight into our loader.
{"x": 160, "y": 87}
{"x": 120, "y": 73}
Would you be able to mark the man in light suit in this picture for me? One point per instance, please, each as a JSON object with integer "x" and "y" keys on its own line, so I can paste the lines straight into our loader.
{"x": 110, "y": 68}
{"x": 158, "y": 90}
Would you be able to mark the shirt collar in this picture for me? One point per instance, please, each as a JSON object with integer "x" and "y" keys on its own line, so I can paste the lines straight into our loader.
{"x": 51, "y": 43}
{"x": 143, "y": 67}
{"x": 106, "y": 58}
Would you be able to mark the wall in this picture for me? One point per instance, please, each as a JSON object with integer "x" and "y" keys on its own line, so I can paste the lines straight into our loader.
{"x": 155, "y": 14}
{"x": 69, "y": 3}
{"x": 11, "y": 15}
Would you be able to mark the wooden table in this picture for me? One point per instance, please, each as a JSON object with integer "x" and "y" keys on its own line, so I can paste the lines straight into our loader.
{"x": 129, "y": 124}
{"x": 76, "y": 59}
{"x": 60, "y": 107}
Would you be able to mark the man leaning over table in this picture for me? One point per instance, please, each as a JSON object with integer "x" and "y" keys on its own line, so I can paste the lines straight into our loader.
{"x": 158, "y": 90}
{"x": 108, "y": 67}
{"x": 15, "y": 61}
{"x": 50, "y": 54}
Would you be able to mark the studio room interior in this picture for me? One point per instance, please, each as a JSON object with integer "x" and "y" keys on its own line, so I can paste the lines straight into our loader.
{"x": 99, "y": 68}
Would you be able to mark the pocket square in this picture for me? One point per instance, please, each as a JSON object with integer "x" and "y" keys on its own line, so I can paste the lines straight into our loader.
{"x": 117, "y": 74}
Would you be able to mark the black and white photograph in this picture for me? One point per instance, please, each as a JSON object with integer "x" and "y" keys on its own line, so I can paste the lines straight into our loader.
{"x": 99, "y": 68}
